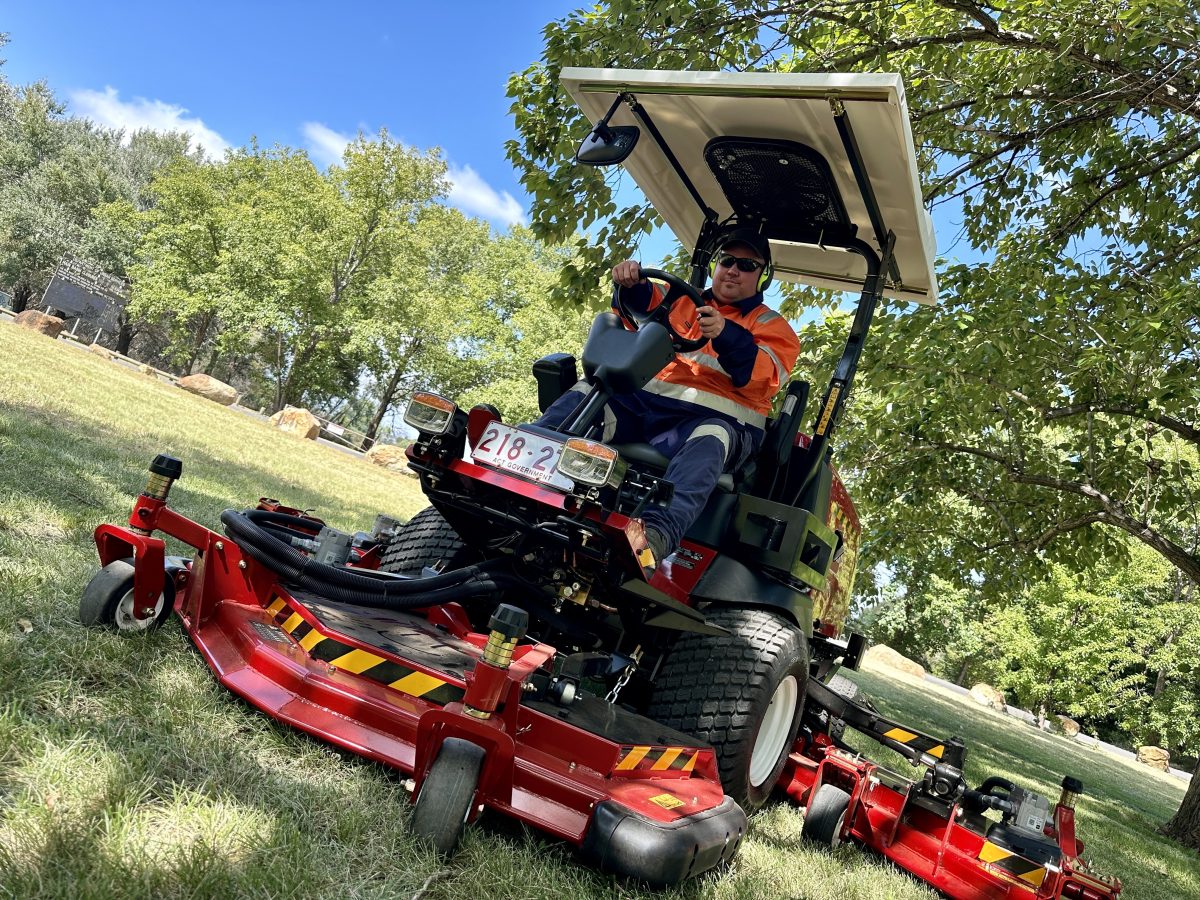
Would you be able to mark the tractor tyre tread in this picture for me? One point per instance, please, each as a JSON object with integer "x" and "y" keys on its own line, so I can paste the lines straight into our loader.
{"x": 843, "y": 687}
{"x": 427, "y": 540}
{"x": 709, "y": 685}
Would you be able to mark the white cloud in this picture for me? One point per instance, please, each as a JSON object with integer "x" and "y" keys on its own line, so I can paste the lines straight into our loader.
{"x": 108, "y": 109}
{"x": 468, "y": 191}
{"x": 473, "y": 195}
{"x": 325, "y": 145}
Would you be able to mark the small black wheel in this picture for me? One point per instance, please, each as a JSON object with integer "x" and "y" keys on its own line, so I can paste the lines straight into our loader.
{"x": 826, "y": 816}
{"x": 447, "y": 794}
{"x": 741, "y": 692}
{"x": 108, "y": 600}
{"x": 427, "y": 540}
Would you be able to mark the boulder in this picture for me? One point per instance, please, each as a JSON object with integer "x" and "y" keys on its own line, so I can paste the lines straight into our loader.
{"x": 1067, "y": 726}
{"x": 41, "y": 322}
{"x": 297, "y": 421}
{"x": 208, "y": 387}
{"x": 881, "y": 656}
{"x": 101, "y": 350}
{"x": 390, "y": 457}
{"x": 986, "y": 695}
{"x": 1155, "y": 758}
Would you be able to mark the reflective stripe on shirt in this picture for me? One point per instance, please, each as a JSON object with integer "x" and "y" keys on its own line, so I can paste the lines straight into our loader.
{"x": 720, "y": 404}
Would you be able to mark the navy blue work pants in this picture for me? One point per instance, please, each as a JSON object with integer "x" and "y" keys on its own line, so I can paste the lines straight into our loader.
{"x": 699, "y": 443}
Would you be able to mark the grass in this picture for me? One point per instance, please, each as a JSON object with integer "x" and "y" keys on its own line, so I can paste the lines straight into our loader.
{"x": 126, "y": 772}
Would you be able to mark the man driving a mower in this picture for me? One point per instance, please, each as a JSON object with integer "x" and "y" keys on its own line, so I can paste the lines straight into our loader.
{"x": 706, "y": 410}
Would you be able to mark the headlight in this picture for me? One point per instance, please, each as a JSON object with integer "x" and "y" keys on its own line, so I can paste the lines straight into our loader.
{"x": 429, "y": 413}
{"x": 587, "y": 462}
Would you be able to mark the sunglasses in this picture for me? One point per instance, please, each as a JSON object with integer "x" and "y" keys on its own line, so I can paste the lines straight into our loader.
{"x": 743, "y": 263}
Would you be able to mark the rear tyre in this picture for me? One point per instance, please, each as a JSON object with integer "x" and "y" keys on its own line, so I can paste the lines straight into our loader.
{"x": 427, "y": 540}
{"x": 826, "y": 816}
{"x": 107, "y": 600}
{"x": 446, "y": 795}
{"x": 742, "y": 693}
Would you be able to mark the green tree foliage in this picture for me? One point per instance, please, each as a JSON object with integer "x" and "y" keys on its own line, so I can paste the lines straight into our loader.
{"x": 54, "y": 172}
{"x": 1114, "y": 646}
{"x": 521, "y": 326}
{"x": 261, "y": 256}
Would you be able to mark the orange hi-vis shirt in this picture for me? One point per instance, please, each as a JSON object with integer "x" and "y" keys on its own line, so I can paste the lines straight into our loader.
{"x": 739, "y": 372}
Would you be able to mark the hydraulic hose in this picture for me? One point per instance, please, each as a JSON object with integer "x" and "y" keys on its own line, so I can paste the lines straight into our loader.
{"x": 344, "y": 585}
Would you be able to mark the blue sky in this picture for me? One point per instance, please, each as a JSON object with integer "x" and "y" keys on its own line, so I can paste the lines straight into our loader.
{"x": 302, "y": 74}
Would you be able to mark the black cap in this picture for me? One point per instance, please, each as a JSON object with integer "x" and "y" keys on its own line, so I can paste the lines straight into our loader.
{"x": 510, "y": 621}
{"x": 167, "y": 466}
{"x": 1074, "y": 785}
{"x": 751, "y": 238}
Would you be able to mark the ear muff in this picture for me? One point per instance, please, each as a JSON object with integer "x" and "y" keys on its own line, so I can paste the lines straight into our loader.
{"x": 768, "y": 271}
{"x": 764, "y": 277}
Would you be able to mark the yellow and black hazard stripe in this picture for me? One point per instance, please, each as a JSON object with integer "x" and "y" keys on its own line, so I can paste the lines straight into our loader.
{"x": 644, "y": 759}
{"x": 920, "y": 742}
{"x": 361, "y": 662}
{"x": 1012, "y": 864}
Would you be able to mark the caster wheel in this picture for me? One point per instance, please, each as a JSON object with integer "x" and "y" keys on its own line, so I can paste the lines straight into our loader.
{"x": 447, "y": 794}
{"x": 826, "y": 816}
{"x": 108, "y": 600}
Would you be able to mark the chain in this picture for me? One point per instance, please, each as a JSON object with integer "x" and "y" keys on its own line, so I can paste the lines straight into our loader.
{"x": 626, "y": 674}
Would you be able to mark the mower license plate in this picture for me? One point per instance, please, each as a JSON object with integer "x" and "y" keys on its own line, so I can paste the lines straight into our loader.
{"x": 523, "y": 453}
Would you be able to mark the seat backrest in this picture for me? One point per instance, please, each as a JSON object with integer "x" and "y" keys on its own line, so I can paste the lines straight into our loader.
{"x": 772, "y": 464}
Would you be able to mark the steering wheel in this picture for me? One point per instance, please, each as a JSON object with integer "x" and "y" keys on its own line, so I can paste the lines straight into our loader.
{"x": 677, "y": 288}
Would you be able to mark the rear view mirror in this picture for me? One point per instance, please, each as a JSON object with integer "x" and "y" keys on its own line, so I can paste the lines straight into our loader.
{"x": 608, "y": 145}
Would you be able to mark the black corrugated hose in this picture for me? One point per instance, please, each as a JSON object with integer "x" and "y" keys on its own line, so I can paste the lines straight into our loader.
{"x": 350, "y": 586}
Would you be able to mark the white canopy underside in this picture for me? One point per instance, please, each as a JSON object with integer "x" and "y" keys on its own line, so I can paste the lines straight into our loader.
{"x": 692, "y": 108}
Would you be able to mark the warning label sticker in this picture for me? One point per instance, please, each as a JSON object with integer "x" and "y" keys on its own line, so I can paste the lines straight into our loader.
{"x": 667, "y": 801}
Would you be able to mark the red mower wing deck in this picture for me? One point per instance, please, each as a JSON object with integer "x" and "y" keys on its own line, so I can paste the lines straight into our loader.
{"x": 936, "y": 838}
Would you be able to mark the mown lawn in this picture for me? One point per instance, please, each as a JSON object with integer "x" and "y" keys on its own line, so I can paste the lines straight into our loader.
{"x": 126, "y": 772}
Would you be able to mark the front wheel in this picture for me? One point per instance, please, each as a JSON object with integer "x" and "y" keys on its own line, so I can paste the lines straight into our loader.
{"x": 446, "y": 795}
{"x": 742, "y": 693}
{"x": 108, "y": 600}
{"x": 826, "y": 816}
{"x": 428, "y": 540}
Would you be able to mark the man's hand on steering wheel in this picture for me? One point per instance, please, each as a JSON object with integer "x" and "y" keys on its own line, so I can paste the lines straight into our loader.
{"x": 630, "y": 273}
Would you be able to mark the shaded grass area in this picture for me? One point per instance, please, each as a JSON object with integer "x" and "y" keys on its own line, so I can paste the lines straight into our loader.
{"x": 125, "y": 771}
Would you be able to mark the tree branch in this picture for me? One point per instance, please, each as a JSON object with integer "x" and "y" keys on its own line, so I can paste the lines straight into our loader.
{"x": 1170, "y": 423}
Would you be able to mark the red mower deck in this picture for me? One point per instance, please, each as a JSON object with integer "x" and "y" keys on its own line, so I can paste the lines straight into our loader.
{"x": 636, "y": 797}
{"x": 934, "y": 828}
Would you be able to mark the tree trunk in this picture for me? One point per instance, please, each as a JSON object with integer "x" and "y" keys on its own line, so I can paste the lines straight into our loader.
{"x": 385, "y": 403}
{"x": 1185, "y": 826}
{"x": 962, "y": 673}
{"x": 21, "y": 296}
{"x": 125, "y": 338}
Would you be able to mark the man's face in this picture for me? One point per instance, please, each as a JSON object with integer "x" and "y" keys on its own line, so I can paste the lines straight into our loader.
{"x": 730, "y": 284}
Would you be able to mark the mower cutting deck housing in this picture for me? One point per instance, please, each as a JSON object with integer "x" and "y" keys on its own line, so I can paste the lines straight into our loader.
{"x": 422, "y": 692}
